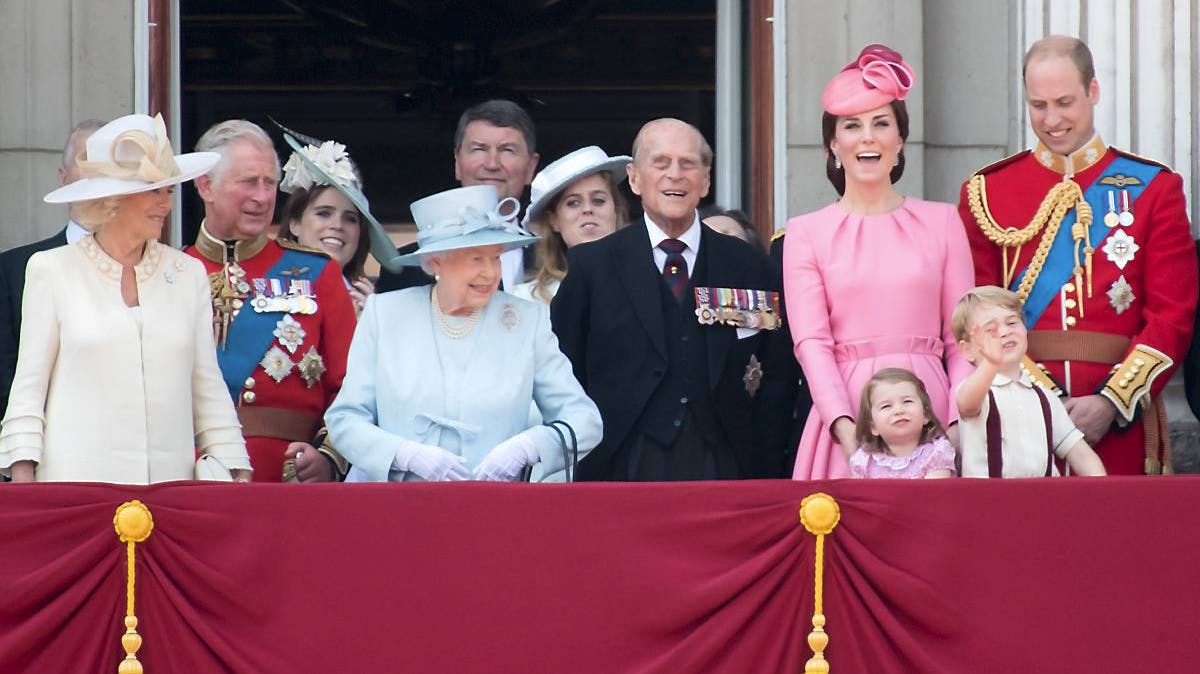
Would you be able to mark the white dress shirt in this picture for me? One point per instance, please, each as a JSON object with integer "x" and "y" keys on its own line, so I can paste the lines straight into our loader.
{"x": 75, "y": 232}
{"x": 690, "y": 238}
{"x": 1022, "y": 431}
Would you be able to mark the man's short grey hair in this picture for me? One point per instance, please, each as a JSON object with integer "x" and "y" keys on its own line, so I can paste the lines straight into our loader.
{"x": 71, "y": 149}
{"x": 498, "y": 112}
{"x": 222, "y": 135}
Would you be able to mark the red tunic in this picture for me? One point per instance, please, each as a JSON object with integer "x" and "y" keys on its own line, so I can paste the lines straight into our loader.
{"x": 1162, "y": 276}
{"x": 329, "y": 330}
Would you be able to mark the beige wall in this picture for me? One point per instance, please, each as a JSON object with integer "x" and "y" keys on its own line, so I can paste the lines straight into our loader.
{"x": 61, "y": 61}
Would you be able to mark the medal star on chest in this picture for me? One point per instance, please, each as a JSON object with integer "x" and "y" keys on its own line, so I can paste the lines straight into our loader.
{"x": 1120, "y": 295}
{"x": 277, "y": 364}
{"x": 1120, "y": 248}
{"x": 289, "y": 333}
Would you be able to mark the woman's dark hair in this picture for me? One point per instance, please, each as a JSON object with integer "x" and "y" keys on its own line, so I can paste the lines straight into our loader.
{"x": 837, "y": 176}
{"x": 294, "y": 210}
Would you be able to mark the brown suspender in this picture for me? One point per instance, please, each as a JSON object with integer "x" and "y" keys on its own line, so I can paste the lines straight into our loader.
{"x": 995, "y": 453}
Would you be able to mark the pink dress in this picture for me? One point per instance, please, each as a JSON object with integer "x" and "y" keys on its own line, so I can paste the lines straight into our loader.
{"x": 869, "y": 292}
{"x": 936, "y": 455}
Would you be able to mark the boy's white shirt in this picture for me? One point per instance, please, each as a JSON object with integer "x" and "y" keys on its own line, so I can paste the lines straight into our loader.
{"x": 1022, "y": 431}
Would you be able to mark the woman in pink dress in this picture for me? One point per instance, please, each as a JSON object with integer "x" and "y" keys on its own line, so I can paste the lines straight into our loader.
{"x": 870, "y": 280}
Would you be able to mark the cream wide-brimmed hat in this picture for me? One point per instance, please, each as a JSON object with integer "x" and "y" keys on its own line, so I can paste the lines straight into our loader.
{"x": 466, "y": 217}
{"x": 560, "y": 173}
{"x": 326, "y": 163}
{"x": 128, "y": 155}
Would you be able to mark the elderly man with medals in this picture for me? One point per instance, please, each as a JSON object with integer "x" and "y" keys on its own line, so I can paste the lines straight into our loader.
{"x": 282, "y": 316}
{"x": 1096, "y": 242}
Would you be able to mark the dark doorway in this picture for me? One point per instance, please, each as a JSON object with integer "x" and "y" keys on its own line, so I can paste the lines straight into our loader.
{"x": 390, "y": 78}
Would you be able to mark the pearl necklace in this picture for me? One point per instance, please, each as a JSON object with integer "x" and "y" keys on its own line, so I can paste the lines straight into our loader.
{"x": 453, "y": 331}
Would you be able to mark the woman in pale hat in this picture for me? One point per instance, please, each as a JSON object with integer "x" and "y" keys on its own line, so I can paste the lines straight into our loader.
{"x": 870, "y": 280}
{"x": 326, "y": 210}
{"x": 574, "y": 200}
{"x": 440, "y": 378}
{"x": 117, "y": 370}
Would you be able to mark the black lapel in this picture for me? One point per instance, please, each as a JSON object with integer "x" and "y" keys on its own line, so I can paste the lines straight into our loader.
{"x": 720, "y": 337}
{"x": 633, "y": 264}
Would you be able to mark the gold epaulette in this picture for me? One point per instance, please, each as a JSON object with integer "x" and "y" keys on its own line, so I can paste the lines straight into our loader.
{"x": 1002, "y": 163}
{"x": 1131, "y": 380}
{"x": 1138, "y": 157}
{"x": 778, "y": 235}
{"x": 1037, "y": 372}
{"x": 293, "y": 245}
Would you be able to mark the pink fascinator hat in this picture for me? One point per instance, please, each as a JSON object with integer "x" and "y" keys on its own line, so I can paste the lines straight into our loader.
{"x": 877, "y": 77}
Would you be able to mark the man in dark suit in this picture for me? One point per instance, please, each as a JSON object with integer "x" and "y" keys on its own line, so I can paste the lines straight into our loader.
{"x": 494, "y": 144}
{"x": 12, "y": 263}
{"x": 680, "y": 400}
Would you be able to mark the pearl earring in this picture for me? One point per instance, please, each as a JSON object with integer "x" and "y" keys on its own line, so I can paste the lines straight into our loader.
{"x": 837, "y": 163}
{"x": 437, "y": 278}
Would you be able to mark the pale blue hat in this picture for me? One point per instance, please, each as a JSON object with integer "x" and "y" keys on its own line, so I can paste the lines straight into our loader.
{"x": 465, "y": 217}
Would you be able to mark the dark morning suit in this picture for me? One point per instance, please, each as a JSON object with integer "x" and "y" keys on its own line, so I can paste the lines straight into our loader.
{"x": 407, "y": 277}
{"x": 673, "y": 394}
{"x": 12, "y": 286}
{"x": 788, "y": 376}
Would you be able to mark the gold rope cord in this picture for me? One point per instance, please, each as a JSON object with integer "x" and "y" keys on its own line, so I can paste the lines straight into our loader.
{"x": 819, "y": 513}
{"x": 1050, "y": 213}
{"x": 133, "y": 524}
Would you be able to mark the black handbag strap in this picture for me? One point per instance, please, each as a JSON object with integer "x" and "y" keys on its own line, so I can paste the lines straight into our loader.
{"x": 570, "y": 451}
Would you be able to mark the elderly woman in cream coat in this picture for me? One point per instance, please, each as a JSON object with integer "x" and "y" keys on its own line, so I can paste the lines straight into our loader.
{"x": 440, "y": 378}
{"x": 117, "y": 377}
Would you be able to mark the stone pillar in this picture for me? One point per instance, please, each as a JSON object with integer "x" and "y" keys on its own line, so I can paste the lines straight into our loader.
{"x": 63, "y": 61}
{"x": 822, "y": 38}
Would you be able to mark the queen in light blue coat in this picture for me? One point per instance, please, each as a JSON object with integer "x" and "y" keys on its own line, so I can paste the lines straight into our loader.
{"x": 440, "y": 378}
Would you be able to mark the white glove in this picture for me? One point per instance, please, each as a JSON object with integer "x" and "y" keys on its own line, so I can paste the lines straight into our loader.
{"x": 432, "y": 464}
{"x": 506, "y": 460}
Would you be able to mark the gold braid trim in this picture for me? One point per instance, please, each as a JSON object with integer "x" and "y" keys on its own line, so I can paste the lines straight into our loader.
{"x": 1060, "y": 199}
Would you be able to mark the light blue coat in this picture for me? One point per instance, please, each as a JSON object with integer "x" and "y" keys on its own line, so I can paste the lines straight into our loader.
{"x": 395, "y": 389}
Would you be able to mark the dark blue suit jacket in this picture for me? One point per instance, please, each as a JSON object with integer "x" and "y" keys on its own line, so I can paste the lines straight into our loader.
{"x": 12, "y": 287}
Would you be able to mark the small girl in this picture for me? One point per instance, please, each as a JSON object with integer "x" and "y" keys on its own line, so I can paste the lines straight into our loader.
{"x": 898, "y": 434}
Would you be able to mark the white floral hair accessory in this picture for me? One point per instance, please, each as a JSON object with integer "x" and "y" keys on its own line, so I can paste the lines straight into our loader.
{"x": 330, "y": 157}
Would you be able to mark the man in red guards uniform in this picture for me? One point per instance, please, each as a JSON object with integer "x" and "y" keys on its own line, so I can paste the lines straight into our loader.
{"x": 1096, "y": 242}
{"x": 281, "y": 314}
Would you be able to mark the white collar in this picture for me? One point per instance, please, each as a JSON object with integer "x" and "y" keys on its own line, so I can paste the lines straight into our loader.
{"x": 690, "y": 238}
{"x": 75, "y": 232}
{"x": 1003, "y": 379}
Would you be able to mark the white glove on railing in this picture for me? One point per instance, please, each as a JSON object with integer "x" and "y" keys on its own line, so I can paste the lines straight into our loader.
{"x": 505, "y": 461}
{"x": 432, "y": 464}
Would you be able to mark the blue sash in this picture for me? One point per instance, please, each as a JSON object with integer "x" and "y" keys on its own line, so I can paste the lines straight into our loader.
{"x": 251, "y": 333}
{"x": 1060, "y": 262}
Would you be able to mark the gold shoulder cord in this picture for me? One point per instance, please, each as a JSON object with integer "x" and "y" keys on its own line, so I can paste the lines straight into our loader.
{"x": 1061, "y": 198}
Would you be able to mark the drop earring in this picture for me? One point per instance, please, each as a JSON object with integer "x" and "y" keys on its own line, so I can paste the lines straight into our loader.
{"x": 837, "y": 163}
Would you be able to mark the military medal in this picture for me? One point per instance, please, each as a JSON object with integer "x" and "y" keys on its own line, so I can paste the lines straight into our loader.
{"x": 289, "y": 333}
{"x": 277, "y": 364}
{"x": 738, "y": 307}
{"x": 1110, "y": 218}
{"x": 1120, "y": 295}
{"x": 312, "y": 366}
{"x": 1126, "y": 217}
{"x": 1120, "y": 248}
{"x": 753, "y": 377}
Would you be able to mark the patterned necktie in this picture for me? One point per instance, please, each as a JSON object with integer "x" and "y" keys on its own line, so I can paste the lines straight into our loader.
{"x": 675, "y": 271}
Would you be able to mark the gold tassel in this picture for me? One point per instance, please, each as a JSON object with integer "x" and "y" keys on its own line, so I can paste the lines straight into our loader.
{"x": 819, "y": 514}
{"x": 133, "y": 524}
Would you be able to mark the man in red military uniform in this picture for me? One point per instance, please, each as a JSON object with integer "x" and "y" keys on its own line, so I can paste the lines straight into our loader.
{"x": 281, "y": 314}
{"x": 1097, "y": 243}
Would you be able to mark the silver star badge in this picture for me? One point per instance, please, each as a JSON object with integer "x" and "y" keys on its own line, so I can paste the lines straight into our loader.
{"x": 289, "y": 333}
{"x": 1120, "y": 295}
{"x": 1120, "y": 248}
{"x": 753, "y": 377}
{"x": 277, "y": 364}
{"x": 312, "y": 366}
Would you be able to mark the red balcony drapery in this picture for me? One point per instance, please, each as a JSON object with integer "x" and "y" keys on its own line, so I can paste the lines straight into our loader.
{"x": 1067, "y": 575}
